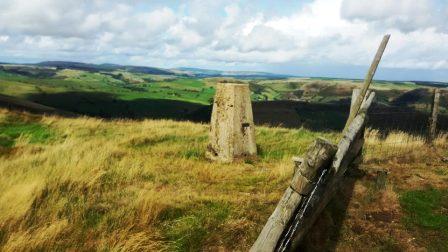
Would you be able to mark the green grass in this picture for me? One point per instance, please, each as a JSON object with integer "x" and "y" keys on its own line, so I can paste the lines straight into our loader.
{"x": 10, "y": 130}
{"x": 131, "y": 86}
{"x": 272, "y": 145}
{"x": 145, "y": 186}
{"x": 188, "y": 227}
{"x": 426, "y": 211}
{"x": 180, "y": 89}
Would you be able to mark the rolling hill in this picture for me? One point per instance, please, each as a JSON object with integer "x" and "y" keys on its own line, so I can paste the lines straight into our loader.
{"x": 104, "y": 67}
{"x": 201, "y": 73}
{"x": 113, "y": 91}
{"x": 108, "y": 158}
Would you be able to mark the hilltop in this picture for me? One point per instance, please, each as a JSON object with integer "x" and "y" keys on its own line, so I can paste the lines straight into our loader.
{"x": 198, "y": 72}
{"x": 90, "y": 184}
{"x": 181, "y": 71}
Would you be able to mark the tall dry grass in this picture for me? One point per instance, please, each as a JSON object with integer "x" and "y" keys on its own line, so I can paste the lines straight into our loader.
{"x": 399, "y": 144}
{"x": 140, "y": 185}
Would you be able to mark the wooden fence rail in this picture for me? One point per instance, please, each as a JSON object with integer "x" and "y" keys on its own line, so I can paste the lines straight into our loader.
{"x": 312, "y": 186}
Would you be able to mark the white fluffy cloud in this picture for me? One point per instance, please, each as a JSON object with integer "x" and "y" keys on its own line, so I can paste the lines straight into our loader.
{"x": 345, "y": 32}
{"x": 405, "y": 15}
{"x": 4, "y": 38}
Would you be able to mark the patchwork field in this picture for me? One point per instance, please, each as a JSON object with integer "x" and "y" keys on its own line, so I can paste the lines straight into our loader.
{"x": 122, "y": 93}
{"x": 140, "y": 93}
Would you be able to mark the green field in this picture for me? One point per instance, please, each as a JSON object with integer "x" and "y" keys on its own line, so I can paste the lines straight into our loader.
{"x": 182, "y": 89}
{"x": 31, "y": 83}
{"x": 313, "y": 103}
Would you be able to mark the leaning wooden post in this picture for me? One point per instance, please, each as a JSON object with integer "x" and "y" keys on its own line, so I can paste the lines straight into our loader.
{"x": 319, "y": 156}
{"x": 348, "y": 150}
{"x": 434, "y": 115}
{"x": 232, "y": 132}
{"x": 367, "y": 80}
{"x": 356, "y": 92}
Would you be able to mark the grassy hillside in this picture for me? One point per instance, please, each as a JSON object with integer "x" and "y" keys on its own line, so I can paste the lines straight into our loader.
{"x": 128, "y": 84}
{"x": 112, "y": 92}
{"x": 89, "y": 184}
{"x": 121, "y": 85}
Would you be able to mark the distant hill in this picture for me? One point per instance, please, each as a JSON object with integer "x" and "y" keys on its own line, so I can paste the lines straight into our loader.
{"x": 183, "y": 71}
{"x": 198, "y": 72}
{"x": 191, "y": 72}
{"x": 104, "y": 67}
{"x": 432, "y": 84}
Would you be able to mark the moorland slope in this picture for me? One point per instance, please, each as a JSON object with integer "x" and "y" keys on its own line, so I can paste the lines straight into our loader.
{"x": 89, "y": 184}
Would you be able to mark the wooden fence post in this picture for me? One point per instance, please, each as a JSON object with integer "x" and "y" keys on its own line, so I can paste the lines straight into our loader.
{"x": 349, "y": 148}
{"x": 319, "y": 155}
{"x": 312, "y": 186}
{"x": 294, "y": 215}
{"x": 368, "y": 80}
{"x": 355, "y": 94}
{"x": 434, "y": 115}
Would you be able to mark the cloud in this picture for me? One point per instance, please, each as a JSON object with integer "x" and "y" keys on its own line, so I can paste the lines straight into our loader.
{"x": 263, "y": 38}
{"x": 46, "y": 17}
{"x": 226, "y": 33}
{"x": 4, "y": 38}
{"x": 405, "y": 15}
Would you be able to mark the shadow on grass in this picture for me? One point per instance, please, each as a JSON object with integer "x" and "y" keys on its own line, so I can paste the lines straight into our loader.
{"x": 292, "y": 114}
{"x": 332, "y": 116}
{"x": 107, "y": 105}
{"x": 288, "y": 114}
{"x": 326, "y": 231}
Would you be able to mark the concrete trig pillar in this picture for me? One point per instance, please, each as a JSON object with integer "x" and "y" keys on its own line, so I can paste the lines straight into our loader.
{"x": 232, "y": 132}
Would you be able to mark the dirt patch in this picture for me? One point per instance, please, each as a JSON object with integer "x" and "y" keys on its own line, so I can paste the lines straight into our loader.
{"x": 366, "y": 211}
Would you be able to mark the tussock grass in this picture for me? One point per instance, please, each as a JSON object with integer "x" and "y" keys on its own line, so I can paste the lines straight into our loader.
{"x": 396, "y": 144}
{"x": 137, "y": 185}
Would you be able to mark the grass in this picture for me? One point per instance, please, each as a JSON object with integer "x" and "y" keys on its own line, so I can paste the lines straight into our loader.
{"x": 426, "y": 212}
{"x": 124, "y": 88}
{"x": 398, "y": 142}
{"x": 129, "y": 86}
{"x": 272, "y": 144}
{"x": 136, "y": 185}
{"x": 12, "y": 128}
{"x": 188, "y": 229}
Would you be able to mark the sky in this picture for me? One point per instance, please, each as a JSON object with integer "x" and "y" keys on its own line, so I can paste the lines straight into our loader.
{"x": 327, "y": 38}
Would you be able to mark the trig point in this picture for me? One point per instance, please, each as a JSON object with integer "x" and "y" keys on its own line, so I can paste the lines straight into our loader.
{"x": 232, "y": 131}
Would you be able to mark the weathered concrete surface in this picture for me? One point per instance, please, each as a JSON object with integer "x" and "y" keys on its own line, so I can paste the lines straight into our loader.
{"x": 232, "y": 131}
